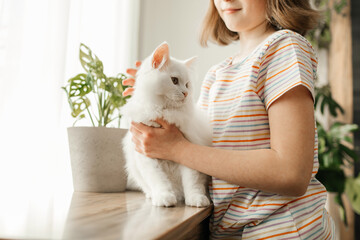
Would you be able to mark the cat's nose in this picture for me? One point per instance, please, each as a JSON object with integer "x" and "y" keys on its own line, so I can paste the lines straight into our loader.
{"x": 185, "y": 94}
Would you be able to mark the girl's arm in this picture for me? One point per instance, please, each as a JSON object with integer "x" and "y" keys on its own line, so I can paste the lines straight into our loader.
{"x": 285, "y": 169}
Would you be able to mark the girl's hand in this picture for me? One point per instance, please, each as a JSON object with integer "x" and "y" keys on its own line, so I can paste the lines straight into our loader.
{"x": 130, "y": 81}
{"x": 162, "y": 143}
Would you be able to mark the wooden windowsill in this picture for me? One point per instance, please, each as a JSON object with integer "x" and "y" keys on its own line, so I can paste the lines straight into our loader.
{"x": 126, "y": 215}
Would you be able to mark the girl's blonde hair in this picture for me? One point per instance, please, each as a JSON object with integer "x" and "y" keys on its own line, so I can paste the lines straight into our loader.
{"x": 295, "y": 15}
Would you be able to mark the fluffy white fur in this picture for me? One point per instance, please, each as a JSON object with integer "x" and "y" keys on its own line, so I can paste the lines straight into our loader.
{"x": 156, "y": 96}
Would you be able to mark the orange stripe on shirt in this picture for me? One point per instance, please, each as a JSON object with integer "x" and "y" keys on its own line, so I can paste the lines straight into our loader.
{"x": 268, "y": 204}
{"x": 279, "y": 50}
{"x": 242, "y": 136}
{"x": 281, "y": 71}
{"x": 285, "y": 233}
{"x": 287, "y": 46}
{"x": 235, "y": 141}
{"x": 239, "y": 116}
{"x": 225, "y": 100}
{"x": 271, "y": 100}
{"x": 231, "y": 188}
{"x": 226, "y": 80}
{"x": 295, "y": 200}
{"x": 266, "y": 79}
{"x": 327, "y": 236}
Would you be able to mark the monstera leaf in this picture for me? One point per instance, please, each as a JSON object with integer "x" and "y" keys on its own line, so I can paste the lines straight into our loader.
{"x": 90, "y": 62}
{"x": 80, "y": 105}
{"x": 324, "y": 98}
{"x": 79, "y": 85}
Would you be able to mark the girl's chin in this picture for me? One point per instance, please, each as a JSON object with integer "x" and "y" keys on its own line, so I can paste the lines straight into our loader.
{"x": 233, "y": 28}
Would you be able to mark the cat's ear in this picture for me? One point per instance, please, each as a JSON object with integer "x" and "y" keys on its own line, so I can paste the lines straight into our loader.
{"x": 191, "y": 62}
{"x": 160, "y": 57}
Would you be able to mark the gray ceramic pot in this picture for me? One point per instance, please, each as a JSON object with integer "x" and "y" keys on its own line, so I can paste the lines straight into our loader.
{"x": 97, "y": 160}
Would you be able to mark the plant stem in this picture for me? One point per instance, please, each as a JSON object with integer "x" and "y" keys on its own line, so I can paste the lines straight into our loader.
{"x": 107, "y": 106}
{"x": 103, "y": 107}
{"x": 92, "y": 121}
{"x": 95, "y": 92}
{"x": 100, "y": 108}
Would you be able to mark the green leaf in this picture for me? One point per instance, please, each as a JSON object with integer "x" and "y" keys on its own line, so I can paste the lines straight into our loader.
{"x": 340, "y": 130}
{"x": 101, "y": 83}
{"x": 339, "y": 6}
{"x": 90, "y": 81}
{"x": 80, "y": 105}
{"x": 317, "y": 97}
{"x": 339, "y": 201}
{"x": 79, "y": 118}
{"x": 322, "y": 105}
{"x": 352, "y": 190}
{"x": 68, "y": 98}
{"x": 79, "y": 86}
{"x": 337, "y": 106}
{"x": 90, "y": 62}
{"x": 332, "y": 179}
{"x": 351, "y": 153}
{"x": 324, "y": 98}
{"x": 333, "y": 105}
{"x": 337, "y": 158}
{"x": 332, "y": 108}
{"x": 86, "y": 57}
{"x": 348, "y": 139}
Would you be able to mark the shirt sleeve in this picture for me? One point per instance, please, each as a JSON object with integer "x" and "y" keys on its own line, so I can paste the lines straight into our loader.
{"x": 288, "y": 62}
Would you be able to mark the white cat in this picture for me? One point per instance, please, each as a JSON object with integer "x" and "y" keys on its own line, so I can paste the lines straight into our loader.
{"x": 163, "y": 89}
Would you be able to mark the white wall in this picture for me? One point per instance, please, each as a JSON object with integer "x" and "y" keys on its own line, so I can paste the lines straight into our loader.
{"x": 178, "y": 22}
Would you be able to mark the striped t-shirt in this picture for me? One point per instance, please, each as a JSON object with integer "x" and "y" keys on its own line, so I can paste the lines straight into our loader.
{"x": 237, "y": 97}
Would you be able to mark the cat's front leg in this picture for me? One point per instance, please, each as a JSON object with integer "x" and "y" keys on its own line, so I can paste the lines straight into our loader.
{"x": 195, "y": 185}
{"x": 162, "y": 193}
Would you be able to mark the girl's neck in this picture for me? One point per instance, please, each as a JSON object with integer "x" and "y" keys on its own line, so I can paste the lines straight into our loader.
{"x": 250, "y": 39}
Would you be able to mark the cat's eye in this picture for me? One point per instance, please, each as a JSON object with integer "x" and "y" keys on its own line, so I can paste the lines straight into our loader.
{"x": 187, "y": 85}
{"x": 175, "y": 80}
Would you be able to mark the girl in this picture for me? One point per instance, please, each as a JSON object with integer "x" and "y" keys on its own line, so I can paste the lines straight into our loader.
{"x": 261, "y": 103}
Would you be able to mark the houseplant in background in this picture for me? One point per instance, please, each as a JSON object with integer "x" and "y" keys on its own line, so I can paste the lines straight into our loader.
{"x": 335, "y": 154}
{"x": 96, "y": 153}
{"x": 335, "y": 150}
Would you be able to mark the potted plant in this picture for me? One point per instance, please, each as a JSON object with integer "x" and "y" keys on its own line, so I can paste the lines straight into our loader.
{"x": 97, "y": 160}
{"x": 335, "y": 154}
{"x": 335, "y": 150}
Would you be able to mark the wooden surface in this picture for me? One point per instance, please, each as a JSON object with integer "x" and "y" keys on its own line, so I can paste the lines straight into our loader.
{"x": 99, "y": 216}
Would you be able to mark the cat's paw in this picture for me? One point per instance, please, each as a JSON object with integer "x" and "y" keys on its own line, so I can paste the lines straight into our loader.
{"x": 147, "y": 195}
{"x": 165, "y": 199}
{"x": 197, "y": 200}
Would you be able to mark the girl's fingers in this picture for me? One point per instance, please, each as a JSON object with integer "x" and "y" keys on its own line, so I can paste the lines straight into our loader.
{"x": 136, "y": 142}
{"x": 162, "y": 122}
{"x": 129, "y": 82}
{"x": 128, "y": 91}
{"x": 131, "y": 71}
{"x": 139, "y": 150}
{"x": 140, "y": 127}
{"x": 138, "y": 64}
{"x": 134, "y": 129}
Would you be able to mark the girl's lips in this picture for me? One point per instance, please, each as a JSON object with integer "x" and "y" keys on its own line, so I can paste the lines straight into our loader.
{"x": 231, "y": 10}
